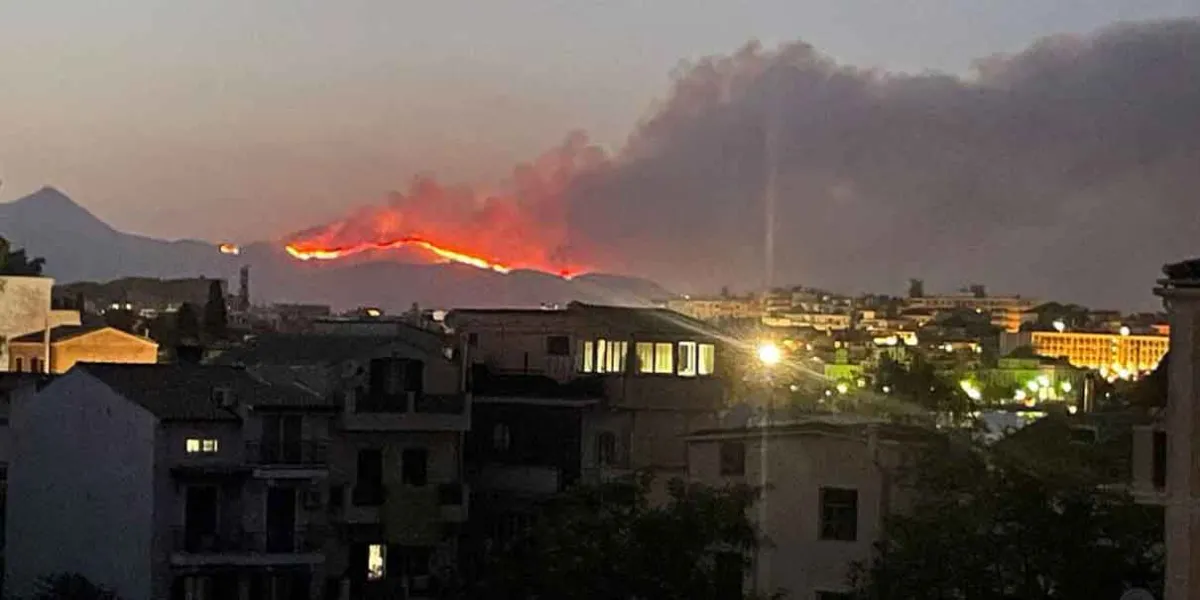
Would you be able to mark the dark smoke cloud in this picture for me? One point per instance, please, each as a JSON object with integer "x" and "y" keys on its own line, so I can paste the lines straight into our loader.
{"x": 1070, "y": 170}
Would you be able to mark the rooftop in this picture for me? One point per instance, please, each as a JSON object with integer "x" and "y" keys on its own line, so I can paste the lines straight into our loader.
{"x": 635, "y": 318}
{"x": 178, "y": 392}
{"x": 316, "y": 348}
{"x": 63, "y": 333}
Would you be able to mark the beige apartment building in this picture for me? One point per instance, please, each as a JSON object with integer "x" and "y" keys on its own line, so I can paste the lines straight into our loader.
{"x": 830, "y": 481}
{"x": 654, "y": 374}
{"x": 70, "y": 344}
{"x": 711, "y": 309}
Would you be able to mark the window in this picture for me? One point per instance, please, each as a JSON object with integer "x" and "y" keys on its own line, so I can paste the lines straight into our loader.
{"x": 558, "y": 345}
{"x": 733, "y": 458}
{"x": 337, "y": 497}
{"x": 391, "y": 377}
{"x": 606, "y": 448}
{"x": 614, "y": 358}
{"x": 201, "y": 446}
{"x": 35, "y": 365}
{"x": 501, "y": 437}
{"x": 708, "y": 359}
{"x": 1160, "y": 460}
{"x": 601, "y": 355}
{"x": 687, "y": 359}
{"x": 839, "y": 514}
{"x": 414, "y": 466}
{"x": 368, "y": 487}
{"x": 664, "y": 357}
{"x": 472, "y": 339}
{"x": 376, "y": 561}
{"x": 587, "y": 357}
{"x": 645, "y": 357}
{"x": 20, "y": 364}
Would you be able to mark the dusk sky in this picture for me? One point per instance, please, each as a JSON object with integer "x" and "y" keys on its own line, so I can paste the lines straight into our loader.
{"x": 242, "y": 120}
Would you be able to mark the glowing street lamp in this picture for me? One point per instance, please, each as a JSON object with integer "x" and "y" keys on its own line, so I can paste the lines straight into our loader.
{"x": 769, "y": 354}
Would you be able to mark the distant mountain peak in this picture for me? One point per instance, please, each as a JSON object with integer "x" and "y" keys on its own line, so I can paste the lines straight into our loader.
{"x": 50, "y": 206}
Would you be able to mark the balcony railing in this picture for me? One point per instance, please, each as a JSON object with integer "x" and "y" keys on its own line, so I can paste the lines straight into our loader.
{"x": 440, "y": 404}
{"x": 375, "y": 403}
{"x": 450, "y": 494}
{"x": 296, "y": 541}
{"x": 368, "y": 495}
{"x": 303, "y": 453}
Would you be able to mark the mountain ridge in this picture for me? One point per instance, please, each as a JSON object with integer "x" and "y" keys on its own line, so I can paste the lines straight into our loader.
{"x": 80, "y": 247}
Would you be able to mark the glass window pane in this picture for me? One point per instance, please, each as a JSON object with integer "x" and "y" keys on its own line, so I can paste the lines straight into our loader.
{"x": 601, "y": 356}
{"x": 708, "y": 359}
{"x": 616, "y": 356}
{"x": 588, "y": 356}
{"x": 664, "y": 357}
{"x": 687, "y": 359}
{"x": 645, "y": 357}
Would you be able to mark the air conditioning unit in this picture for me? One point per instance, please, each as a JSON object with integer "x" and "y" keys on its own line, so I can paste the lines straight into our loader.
{"x": 313, "y": 498}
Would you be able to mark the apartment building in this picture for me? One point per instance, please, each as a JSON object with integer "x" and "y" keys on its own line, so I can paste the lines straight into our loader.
{"x": 653, "y": 374}
{"x": 712, "y": 309}
{"x": 178, "y": 481}
{"x": 397, "y": 498}
{"x": 1166, "y": 454}
{"x": 829, "y": 482}
{"x": 1121, "y": 353}
{"x": 65, "y": 345}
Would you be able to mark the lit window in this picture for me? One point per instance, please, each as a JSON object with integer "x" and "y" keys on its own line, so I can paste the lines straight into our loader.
{"x": 645, "y": 357}
{"x": 601, "y": 355}
{"x": 376, "y": 561}
{"x": 687, "y": 359}
{"x": 708, "y": 359}
{"x": 664, "y": 357}
{"x": 587, "y": 357}
{"x": 201, "y": 446}
{"x": 616, "y": 357}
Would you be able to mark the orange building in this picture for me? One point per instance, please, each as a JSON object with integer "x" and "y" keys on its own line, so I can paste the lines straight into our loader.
{"x": 1123, "y": 355}
{"x": 70, "y": 344}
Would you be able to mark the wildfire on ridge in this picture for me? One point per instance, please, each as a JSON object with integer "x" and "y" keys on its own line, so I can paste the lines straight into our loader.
{"x": 444, "y": 253}
{"x": 519, "y": 224}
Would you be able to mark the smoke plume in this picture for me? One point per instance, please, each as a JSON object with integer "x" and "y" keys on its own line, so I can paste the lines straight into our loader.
{"x": 1070, "y": 170}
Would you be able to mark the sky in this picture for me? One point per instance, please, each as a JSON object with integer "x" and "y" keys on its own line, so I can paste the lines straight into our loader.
{"x": 232, "y": 120}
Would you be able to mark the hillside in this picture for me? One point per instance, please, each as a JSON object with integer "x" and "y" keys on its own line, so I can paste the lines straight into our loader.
{"x": 79, "y": 247}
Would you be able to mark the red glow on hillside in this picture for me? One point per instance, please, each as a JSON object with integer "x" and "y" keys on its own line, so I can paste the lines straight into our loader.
{"x": 521, "y": 226}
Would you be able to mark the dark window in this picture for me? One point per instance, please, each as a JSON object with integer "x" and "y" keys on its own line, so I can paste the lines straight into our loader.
{"x": 1160, "y": 459}
{"x": 472, "y": 339}
{"x": 20, "y": 364}
{"x": 733, "y": 458}
{"x": 839, "y": 514}
{"x": 414, "y": 466}
{"x": 35, "y": 365}
{"x": 368, "y": 487}
{"x": 558, "y": 345}
{"x": 606, "y": 448}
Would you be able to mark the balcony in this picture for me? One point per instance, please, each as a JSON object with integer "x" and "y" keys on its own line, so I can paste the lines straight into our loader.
{"x": 307, "y": 453}
{"x": 299, "y": 545}
{"x": 453, "y": 500}
{"x": 411, "y": 411}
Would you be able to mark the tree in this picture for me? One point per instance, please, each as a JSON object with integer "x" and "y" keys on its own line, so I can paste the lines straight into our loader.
{"x": 920, "y": 386}
{"x": 216, "y": 317}
{"x": 18, "y": 263}
{"x": 608, "y": 542}
{"x": 1000, "y": 524}
{"x": 187, "y": 324}
{"x": 71, "y": 586}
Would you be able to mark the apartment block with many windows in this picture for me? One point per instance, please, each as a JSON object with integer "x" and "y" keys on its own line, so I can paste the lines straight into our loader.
{"x": 180, "y": 482}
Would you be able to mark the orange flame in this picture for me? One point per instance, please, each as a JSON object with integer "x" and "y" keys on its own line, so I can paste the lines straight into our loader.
{"x": 444, "y": 253}
{"x": 520, "y": 223}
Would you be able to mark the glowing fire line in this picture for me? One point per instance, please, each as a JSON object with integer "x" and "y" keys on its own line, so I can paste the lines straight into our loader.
{"x": 449, "y": 255}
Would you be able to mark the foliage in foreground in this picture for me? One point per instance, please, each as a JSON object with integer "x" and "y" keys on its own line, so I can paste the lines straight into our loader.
{"x": 991, "y": 525}
{"x": 71, "y": 586}
{"x": 609, "y": 543}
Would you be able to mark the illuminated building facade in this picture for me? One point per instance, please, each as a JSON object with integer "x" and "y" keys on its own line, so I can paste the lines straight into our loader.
{"x": 711, "y": 309}
{"x": 1124, "y": 355}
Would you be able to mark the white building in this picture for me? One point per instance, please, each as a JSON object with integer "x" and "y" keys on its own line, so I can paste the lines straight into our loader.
{"x": 829, "y": 483}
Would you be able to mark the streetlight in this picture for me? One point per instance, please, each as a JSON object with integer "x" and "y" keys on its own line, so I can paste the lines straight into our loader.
{"x": 769, "y": 354}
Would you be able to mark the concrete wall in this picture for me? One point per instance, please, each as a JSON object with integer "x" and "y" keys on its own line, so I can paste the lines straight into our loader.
{"x": 24, "y": 308}
{"x": 798, "y": 466}
{"x": 104, "y": 346}
{"x": 81, "y": 488}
